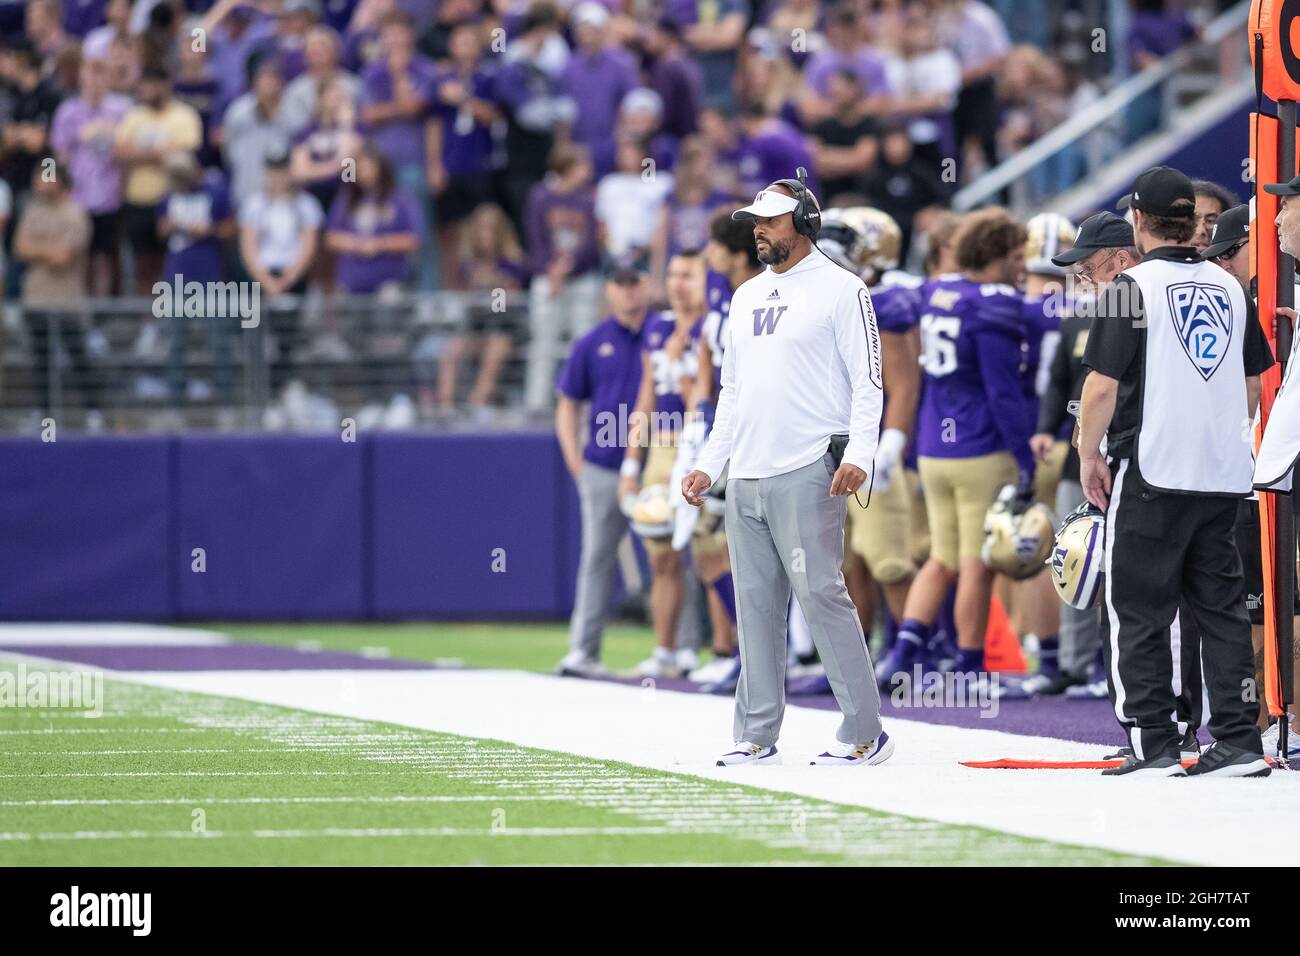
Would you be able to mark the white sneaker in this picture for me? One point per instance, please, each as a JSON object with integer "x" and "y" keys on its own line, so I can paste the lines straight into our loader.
{"x": 579, "y": 665}
{"x": 852, "y": 755}
{"x": 687, "y": 660}
{"x": 805, "y": 671}
{"x": 714, "y": 670}
{"x": 746, "y": 752}
{"x": 1270, "y": 736}
{"x": 658, "y": 667}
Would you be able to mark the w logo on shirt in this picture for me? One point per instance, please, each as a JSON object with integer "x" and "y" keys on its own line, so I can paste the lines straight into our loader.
{"x": 765, "y": 319}
{"x": 1203, "y": 317}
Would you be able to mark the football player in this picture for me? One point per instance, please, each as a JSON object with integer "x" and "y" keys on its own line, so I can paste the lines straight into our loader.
{"x": 867, "y": 241}
{"x": 1032, "y": 604}
{"x": 972, "y": 430}
{"x": 668, "y": 371}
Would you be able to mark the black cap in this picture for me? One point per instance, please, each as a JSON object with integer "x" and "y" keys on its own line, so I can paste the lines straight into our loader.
{"x": 1232, "y": 227}
{"x": 1289, "y": 188}
{"x": 1102, "y": 231}
{"x": 1162, "y": 191}
{"x": 627, "y": 269}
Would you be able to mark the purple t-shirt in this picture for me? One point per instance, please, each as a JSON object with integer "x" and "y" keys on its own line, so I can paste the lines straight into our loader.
{"x": 867, "y": 65}
{"x": 324, "y": 142}
{"x": 561, "y": 222}
{"x": 688, "y": 224}
{"x": 598, "y": 84}
{"x": 402, "y": 141}
{"x": 466, "y": 142}
{"x": 82, "y": 16}
{"x": 369, "y": 217}
{"x": 228, "y": 56}
{"x": 774, "y": 153}
{"x": 1157, "y": 32}
{"x": 971, "y": 339}
{"x": 195, "y": 259}
{"x": 604, "y": 369}
{"x": 84, "y": 134}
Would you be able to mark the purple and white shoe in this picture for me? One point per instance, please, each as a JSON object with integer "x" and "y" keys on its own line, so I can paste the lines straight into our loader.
{"x": 746, "y": 752}
{"x": 854, "y": 755}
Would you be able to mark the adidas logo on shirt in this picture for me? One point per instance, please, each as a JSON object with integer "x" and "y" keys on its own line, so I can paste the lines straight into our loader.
{"x": 774, "y": 295}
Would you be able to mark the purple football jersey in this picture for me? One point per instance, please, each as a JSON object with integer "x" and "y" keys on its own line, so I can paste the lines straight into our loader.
{"x": 972, "y": 337}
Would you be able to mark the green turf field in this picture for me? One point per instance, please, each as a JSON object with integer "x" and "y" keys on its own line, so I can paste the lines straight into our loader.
{"x": 532, "y": 647}
{"x": 165, "y": 777}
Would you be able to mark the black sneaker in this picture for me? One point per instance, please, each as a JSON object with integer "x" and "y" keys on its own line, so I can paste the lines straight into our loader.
{"x": 1189, "y": 749}
{"x": 1161, "y": 766}
{"x": 1225, "y": 760}
{"x": 1059, "y": 683}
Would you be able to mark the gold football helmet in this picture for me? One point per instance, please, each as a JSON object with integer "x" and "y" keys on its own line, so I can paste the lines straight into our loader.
{"x": 1050, "y": 234}
{"x": 861, "y": 239}
{"x": 1017, "y": 541}
{"x": 1077, "y": 557}
{"x": 652, "y": 513}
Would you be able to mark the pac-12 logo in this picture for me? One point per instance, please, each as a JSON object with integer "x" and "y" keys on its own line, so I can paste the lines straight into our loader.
{"x": 1203, "y": 317}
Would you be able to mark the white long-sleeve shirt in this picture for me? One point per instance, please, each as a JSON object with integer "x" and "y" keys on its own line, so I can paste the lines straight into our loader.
{"x": 802, "y": 364}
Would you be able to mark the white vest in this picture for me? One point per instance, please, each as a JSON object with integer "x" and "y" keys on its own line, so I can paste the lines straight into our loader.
{"x": 1195, "y": 434}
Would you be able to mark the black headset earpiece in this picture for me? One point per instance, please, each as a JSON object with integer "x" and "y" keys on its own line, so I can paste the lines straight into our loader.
{"x": 807, "y": 218}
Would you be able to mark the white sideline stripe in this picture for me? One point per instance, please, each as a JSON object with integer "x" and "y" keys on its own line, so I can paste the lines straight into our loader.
{"x": 1216, "y": 822}
{"x": 116, "y": 635}
{"x": 239, "y": 801}
{"x": 331, "y": 832}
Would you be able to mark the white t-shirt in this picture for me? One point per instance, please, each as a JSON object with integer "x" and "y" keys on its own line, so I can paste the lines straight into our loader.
{"x": 802, "y": 364}
{"x": 279, "y": 224}
{"x": 628, "y": 207}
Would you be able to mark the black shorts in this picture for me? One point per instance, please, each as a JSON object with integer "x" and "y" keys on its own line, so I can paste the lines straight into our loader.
{"x": 483, "y": 320}
{"x": 105, "y": 232}
{"x": 1251, "y": 562}
{"x": 464, "y": 193}
{"x": 140, "y": 223}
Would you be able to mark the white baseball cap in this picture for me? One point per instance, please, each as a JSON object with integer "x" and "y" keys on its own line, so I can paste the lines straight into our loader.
{"x": 766, "y": 204}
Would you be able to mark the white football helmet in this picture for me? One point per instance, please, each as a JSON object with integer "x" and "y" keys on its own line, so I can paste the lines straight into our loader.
{"x": 1017, "y": 540}
{"x": 1078, "y": 555}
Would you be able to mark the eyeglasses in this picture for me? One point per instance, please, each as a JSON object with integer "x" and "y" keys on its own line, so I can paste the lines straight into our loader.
{"x": 1085, "y": 274}
{"x": 1229, "y": 252}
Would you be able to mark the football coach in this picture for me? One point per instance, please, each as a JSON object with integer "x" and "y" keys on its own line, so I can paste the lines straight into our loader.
{"x": 1175, "y": 353}
{"x": 797, "y": 425}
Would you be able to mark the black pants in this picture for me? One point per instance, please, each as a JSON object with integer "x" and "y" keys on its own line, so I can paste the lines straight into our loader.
{"x": 48, "y": 330}
{"x": 1185, "y": 645}
{"x": 1163, "y": 549}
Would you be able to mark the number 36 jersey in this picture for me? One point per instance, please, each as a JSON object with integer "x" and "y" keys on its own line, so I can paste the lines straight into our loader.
{"x": 972, "y": 403}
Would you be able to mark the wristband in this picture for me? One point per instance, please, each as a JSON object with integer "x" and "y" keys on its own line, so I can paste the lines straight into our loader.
{"x": 631, "y": 468}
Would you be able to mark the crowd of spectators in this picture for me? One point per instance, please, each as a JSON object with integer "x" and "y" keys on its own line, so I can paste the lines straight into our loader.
{"x": 351, "y": 146}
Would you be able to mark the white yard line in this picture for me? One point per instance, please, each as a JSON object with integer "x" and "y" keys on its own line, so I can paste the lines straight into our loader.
{"x": 116, "y": 635}
{"x": 1219, "y": 822}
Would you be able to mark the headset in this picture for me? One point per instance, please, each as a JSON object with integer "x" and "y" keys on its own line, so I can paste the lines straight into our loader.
{"x": 807, "y": 217}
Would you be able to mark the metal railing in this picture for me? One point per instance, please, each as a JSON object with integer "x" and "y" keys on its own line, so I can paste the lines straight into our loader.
{"x": 306, "y": 364}
{"x": 1097, "y": 132}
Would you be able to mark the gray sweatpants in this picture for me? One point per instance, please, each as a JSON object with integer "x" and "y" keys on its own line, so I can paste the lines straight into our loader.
{"x": 603, "y": 527}
{"x": 1080, "y": 630}
{"x": 787, "y": 533}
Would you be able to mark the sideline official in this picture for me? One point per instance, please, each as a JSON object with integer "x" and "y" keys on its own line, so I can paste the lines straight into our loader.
{"x": 802, "y": 370}
{"x": 1174, "y": 352}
